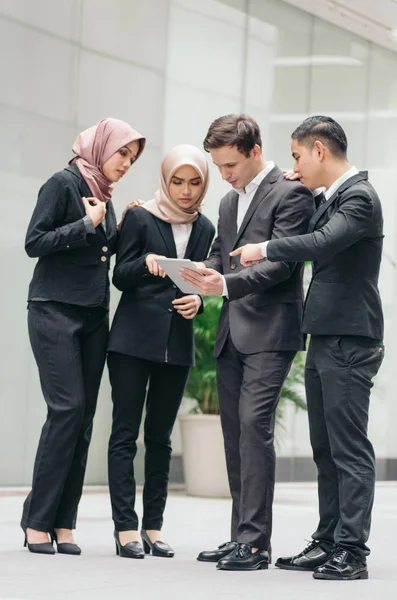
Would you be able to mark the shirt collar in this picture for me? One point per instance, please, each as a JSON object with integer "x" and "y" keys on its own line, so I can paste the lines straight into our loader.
{"x": 255, "y": 183}
{"x": 336, "y": 185}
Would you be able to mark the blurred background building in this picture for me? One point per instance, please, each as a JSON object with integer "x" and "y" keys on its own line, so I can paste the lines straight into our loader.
{"x": 169, "y": 67}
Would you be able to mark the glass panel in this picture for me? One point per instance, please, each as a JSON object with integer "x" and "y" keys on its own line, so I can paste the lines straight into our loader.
{"x": 278, "y": 73}
{"x": 339, "y": 83}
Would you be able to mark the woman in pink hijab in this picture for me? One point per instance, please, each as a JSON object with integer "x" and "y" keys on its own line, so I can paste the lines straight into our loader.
{"x": 73, "y": 233}
{"x": 151, "y": 342}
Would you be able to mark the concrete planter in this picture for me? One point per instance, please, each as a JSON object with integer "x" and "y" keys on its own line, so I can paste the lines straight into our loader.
{"x": 203, "y": 456}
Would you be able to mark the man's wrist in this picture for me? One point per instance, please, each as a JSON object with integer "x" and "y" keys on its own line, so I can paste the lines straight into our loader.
{"x": 225, "y": 290}
{"x": 264, "y": 249}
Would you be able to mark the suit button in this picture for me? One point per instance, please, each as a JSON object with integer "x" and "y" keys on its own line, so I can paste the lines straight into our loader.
{"x": 105, "y": 249}
{"x": 233, "y": 266}
{"x": 103, "y": 258}
{"x": 174, "y": 286}
{"x": 170, "y": 310}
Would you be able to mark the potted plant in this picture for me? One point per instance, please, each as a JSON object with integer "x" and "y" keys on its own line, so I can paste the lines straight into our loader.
{"x": 203, "y": 452}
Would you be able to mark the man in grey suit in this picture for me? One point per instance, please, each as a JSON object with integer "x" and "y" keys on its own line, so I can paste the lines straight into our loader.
{"x": 259, "y": 329}
{"x": 343, "y": 314}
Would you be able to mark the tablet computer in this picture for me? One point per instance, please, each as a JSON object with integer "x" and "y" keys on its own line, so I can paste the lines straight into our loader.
{"x": 172, "y": 267}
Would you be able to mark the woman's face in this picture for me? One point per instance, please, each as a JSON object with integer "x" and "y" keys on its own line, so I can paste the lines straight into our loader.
{"x": 185, "y": 186}
{"x": 118, "y": 164}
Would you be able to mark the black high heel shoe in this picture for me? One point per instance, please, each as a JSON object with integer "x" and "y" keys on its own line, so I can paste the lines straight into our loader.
{"x": 156, "y": 548}
{"x": 65, "y": 547}
{"x": 130, "y": 550}
{"x": 44, "y": 548}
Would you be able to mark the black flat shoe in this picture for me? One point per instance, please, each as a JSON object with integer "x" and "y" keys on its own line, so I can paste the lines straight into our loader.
{"x": 44, "y": 548}
{"x": 243, "y": 559}
{"x": 156, "y": 548}
{"x": 314, "y": 555}
{"x": 65, "y": 547}
{"x": 342, "y": 566}
{"x": 130, "y": 550}
{"x": 215, "y": 555}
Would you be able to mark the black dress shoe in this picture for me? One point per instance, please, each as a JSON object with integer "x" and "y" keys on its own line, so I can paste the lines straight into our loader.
{"x": 65, "y": 547}
{"x": 342, "y": 566}
{"x": 130, "y": 550}
{"x": 156, "y": 548}
{"x": 243, "y": 559}
{"x": 215, "y": 555}
{"x": 314, "y": 555}
{"x": 44, "y": 548}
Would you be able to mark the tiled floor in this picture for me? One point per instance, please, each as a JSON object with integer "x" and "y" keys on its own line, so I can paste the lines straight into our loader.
{"x": 191, "y": 525}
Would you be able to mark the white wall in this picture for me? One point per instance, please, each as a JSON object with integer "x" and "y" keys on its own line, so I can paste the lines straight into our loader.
{"x": 64, "y": 64}
{"x": 169, "y": 67}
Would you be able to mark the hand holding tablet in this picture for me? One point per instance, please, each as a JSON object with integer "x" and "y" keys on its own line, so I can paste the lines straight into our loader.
{"x": 172, "y": 266}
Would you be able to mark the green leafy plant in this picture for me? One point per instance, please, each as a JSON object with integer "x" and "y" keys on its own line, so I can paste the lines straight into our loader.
{"x": 293, "y": 389}
{"x": 202, "y": 380}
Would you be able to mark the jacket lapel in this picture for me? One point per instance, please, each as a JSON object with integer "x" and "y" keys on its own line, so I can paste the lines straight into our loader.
{"x": 321, "y": 210}
{"x": 111, "y": 222}
{"x": 194, "y": 236}
{"x": 230, "y": 217}
{"x": 168, "y": 237}
{"x": 260, "y": 194}
{"x": 83, "y": 186}
{"x": 325, "y": 205}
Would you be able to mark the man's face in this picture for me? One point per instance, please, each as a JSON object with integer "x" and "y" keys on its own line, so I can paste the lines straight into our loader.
{"x": 308, "y": 163}
{"x": 236, "y": 168}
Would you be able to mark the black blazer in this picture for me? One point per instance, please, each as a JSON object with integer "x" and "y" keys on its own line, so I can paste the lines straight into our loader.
{"x": 145, "y": 324}
{"x": 345, "y": 245}
{"x": 265, "y": 305}
{"x": 73, "y": 265}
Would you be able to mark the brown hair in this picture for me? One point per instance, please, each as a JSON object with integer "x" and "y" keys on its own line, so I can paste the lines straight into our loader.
{"x": 241, "y": 131}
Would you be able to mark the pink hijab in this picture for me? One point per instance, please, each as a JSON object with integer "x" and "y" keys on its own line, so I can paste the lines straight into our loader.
{"x": 162, "y": 206}
{"x": 95, "y": 146}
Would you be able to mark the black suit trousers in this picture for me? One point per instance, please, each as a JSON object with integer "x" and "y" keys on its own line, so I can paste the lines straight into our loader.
{"x": 69, "y": 345}
{"x": 249, "y": 387}
{"x": 339, "y": 373}
{"x": 130, "y": 377}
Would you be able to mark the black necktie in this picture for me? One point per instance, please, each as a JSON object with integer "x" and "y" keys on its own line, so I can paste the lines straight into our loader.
{"x": 320, "y": 199}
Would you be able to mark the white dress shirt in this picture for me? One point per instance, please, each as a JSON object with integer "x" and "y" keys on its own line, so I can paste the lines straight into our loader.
{"x": 327, "y": 195}
{"x": 336, "y": 185}
{"x": 181, "y": 232}
{"x": 245, "y": 197}
{"x": 246, "y": 194}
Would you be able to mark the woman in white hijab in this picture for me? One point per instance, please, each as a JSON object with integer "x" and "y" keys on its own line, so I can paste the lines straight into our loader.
{"x": 151, "y": 342}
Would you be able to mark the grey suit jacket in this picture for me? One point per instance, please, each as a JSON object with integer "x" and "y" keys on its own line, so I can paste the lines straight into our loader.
{"x": 345, "y": 244}
{"x": 265, "y": 304}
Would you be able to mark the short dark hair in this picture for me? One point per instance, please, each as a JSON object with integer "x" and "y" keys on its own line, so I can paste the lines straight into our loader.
{"x": 241, "y": 131}
{"x": 324, "y": 129}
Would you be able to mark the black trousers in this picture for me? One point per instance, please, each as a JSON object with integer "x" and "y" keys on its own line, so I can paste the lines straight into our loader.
{"x": 339, "y": 373}
{"x": 249, "y": 387}
{"x": 69, "y": 345}
{"x": 129, "y": 377}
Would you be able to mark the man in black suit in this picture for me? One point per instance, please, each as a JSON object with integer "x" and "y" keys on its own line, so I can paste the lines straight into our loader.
{"x": 343, "y": 314}
{"x": 259, "y": 329}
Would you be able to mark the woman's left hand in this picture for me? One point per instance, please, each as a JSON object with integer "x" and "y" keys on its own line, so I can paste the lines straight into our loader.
{"x": 291, "y": 175}
{"x": 187, "y": 306}
{"x": 129, "y": 205}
